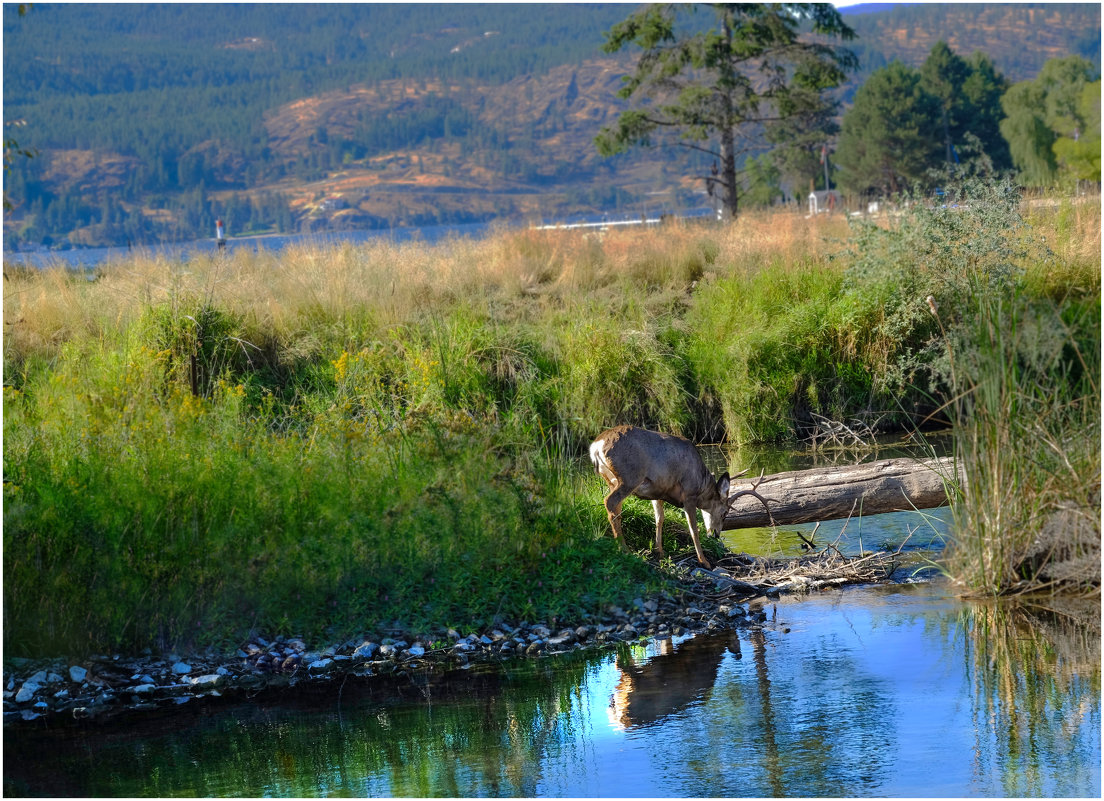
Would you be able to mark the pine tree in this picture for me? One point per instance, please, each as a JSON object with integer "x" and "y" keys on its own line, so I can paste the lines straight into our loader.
{"x": 982, "y": 91}
{"x": 716, "y": 89}
{"x": 943, "y": 75}
{"x": 890, "y": 136}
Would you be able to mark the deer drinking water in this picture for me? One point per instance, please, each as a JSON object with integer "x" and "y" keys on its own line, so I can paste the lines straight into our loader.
{"x": 661, "y": 467}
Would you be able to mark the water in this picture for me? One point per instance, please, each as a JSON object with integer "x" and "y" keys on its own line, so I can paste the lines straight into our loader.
{"x": 92, "y": 257}
{"x": 879, "y": 691}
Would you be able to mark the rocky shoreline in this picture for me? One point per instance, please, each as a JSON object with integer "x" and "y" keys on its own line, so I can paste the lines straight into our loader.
{"x": 101, "y": 688}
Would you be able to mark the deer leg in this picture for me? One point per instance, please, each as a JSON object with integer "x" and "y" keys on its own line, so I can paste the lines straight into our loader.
{"x": 657, "y": 507}
{"x": 692, "y": 521}
{"x": 614, "y": 500}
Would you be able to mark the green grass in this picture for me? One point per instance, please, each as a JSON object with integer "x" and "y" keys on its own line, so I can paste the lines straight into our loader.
{"x": 330, "y": 440}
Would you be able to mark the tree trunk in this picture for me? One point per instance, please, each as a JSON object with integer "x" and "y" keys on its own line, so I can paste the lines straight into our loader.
{"x": 728, "y": 171}
{"x": 830, "y": 493}
{"x": 728, "y": 137}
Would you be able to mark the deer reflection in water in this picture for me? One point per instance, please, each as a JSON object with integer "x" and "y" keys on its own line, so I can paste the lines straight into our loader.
{"x": 670, "y": 681}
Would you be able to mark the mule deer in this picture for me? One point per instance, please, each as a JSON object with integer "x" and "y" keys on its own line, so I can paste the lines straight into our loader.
{"x": 661, "y": 467}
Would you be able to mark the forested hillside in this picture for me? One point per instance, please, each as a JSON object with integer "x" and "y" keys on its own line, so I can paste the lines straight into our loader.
{"x": 151, "y": 120}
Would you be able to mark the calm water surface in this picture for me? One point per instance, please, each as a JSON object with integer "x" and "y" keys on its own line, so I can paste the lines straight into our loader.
{"x": 899, "y": 691}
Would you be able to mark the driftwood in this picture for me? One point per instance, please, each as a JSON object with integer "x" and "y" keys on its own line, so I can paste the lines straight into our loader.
{"x": 741, "y": 577}
{"x": 832, "y": 493}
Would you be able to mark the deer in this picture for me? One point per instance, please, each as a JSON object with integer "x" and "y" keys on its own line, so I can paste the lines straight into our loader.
{"x": 662, "y": 467}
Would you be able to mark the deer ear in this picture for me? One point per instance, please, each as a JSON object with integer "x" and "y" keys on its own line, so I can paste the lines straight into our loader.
{"x": 722, "y": 485}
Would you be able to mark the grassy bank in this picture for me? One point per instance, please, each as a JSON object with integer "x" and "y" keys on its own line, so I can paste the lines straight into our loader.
{"x": 331, "y": 439}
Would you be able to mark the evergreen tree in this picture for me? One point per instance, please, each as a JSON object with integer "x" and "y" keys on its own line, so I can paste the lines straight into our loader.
{"x": 717, "y": 88}
{"x": 982, "y": 91}
{"x": 969, "y": 95}
{"x": 890, "y": 137}
{"x": 943, "y": 75}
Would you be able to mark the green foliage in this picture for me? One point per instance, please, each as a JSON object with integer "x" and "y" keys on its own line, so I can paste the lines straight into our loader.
{"x": 1056, "y": 105}
{"x": 981, "y": 112}
{"x": 968, "y": 93}
{"x": 976, "y": 243}
{"x": 1078, "y": 151}
{"x": 693, "y": 82}
{"x": 143, "y": 516}
{"x": 1026, "y": 383}
{"x": 889, "y": 138}
{"x": 904, "y": 123}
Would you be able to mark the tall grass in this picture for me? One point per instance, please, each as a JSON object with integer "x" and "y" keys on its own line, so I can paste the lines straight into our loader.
{"x": 336, "y": 438}
{"x": 1027, "y": 412}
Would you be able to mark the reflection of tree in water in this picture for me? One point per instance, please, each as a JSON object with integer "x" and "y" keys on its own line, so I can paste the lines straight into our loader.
{"x": 1035, "y": 670}
{"x": 824, "y": 730}
{"x": 476, "y": 734}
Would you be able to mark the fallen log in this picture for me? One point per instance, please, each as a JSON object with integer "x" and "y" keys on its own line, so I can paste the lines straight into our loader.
{"x": 831, "y": 493}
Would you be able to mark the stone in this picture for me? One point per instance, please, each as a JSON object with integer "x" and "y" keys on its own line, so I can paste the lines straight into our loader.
{"x": 77, "y": 673}
{"x": 53, "y": 678}
{"x": 26, "y": 692}
{"x": 208, "y": 681}
{"x": 366, "y": 650}
{"x": 38, "y": 678}
{"x": 321, "y": 666}
{"x": 143, "y": 689}
{"x": 542, "y": 632}
{"x": 181, "y": 668}
{"x": 415, "y": 651}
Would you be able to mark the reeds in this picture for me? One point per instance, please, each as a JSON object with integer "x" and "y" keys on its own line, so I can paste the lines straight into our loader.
{"x": 1027, "y": 434}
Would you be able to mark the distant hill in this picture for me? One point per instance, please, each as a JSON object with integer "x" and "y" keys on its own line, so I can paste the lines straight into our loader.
{"x": 1019, "y": 37}
{"x": 869, "y": 8}
{"x": 153, "y": 119}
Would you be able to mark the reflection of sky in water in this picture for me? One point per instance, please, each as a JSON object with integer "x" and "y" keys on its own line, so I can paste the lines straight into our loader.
{"x": 869, "y": 693}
